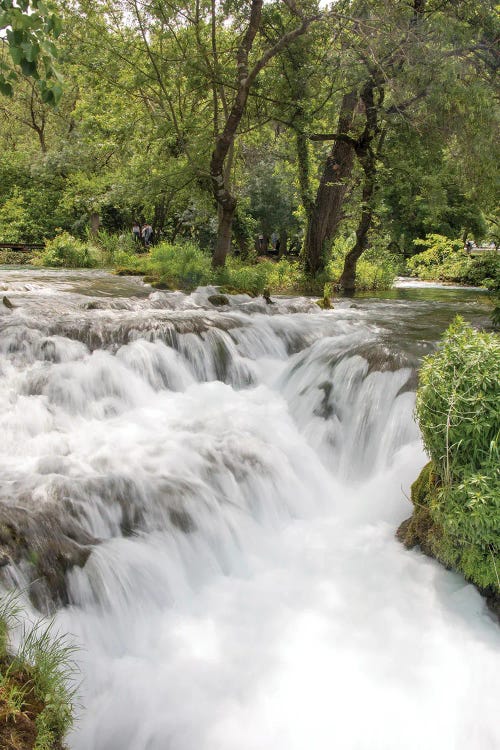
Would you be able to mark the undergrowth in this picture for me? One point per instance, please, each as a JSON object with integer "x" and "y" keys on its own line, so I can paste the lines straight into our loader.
{"x": 36, "y": 693}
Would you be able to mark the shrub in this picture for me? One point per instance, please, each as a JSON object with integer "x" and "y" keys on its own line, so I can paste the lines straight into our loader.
{"x": 65, "y": 251}
{"x": 458, "y": 519}
{"x": 112, "y": 248}
{"x": 181, "y": 264}
{"x": 458, "y": 397}
{"x": 376, "y": 269}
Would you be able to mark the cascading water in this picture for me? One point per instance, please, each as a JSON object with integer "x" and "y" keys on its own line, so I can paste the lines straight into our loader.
{"x": 217, "y": 492}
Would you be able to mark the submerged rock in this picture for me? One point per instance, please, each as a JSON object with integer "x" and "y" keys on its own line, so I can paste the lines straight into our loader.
{"x": 324, "y": 303}
{"x": 218, "y": 300}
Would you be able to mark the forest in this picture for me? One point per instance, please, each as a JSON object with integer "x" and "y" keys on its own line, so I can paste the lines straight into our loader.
{"x": 339, "y": 129}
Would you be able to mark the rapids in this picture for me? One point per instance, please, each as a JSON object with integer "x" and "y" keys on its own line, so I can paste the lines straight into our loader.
{"x": 236, "y": 476}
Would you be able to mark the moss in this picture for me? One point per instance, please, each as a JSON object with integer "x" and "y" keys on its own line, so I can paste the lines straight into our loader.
{"x": 225, "y": 289}
{"x": 160, "y": 285}
{"x": 127, "y": 271}
{"x": 421, "y": 529}
{"x": 324, "y": 303}
{"x": 218, "y": 300}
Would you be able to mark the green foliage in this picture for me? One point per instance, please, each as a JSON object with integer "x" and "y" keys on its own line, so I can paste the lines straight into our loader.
{"x": 65, "y": 251}
{"x": 51, "y": 657}
{"x": 14, "y": 219}
{"x": 113, "y": 249}
{"x": 376, "y": 269}
{"x": 439, "y": 251}
{"x": 457, "y": 410}
{"x": 181, "y": 265}
{"x": 29, "y": 27}
{"x": 37, "y": 680}
{"x": 458, "y": 397}
{"x": 446, "y": 260}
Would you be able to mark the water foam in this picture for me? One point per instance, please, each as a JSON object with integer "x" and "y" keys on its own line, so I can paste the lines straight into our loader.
{"x": 242, "y": 474}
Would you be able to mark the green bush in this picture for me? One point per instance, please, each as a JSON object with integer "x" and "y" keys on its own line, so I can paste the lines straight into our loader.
{"x": 181, "y": 265}
{"x": 446, "y": 260}
{"x": 112, "y": 248}
{"x": 458, "y": 398}
{"x": 65, "y": 251}
{"x": 376, "y": 269}
{"x": 458, "y": 414}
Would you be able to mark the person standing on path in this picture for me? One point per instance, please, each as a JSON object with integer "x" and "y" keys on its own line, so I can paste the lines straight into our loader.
{"x": 136, "y": 232}
{"x": 147, "y": 235}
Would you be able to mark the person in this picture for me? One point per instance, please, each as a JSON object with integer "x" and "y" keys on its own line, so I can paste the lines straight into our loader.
{"x": 147, "y": 235}
{"x": 136, "y": 232}
{"x": 274, "y": 239}
{"x": 468, "y": 246}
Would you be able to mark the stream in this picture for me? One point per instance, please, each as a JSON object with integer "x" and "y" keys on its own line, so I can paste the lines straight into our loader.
{"x": 232, "y": 479}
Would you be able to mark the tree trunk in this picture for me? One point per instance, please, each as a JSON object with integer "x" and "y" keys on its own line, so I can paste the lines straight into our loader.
{"x": 283, "y": 243}
{"x": 325, "y": 215}
{"x": 159, "y": 216}
{"x": 367, "y": 156}
{"x": 95, "y": 223}
{"x": 348, "y": 279}
{"x": 224, "y": 232}
{"x": 220, "y": 161}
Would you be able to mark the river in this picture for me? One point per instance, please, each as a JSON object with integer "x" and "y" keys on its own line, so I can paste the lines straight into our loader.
{"x": 235, "y": 477}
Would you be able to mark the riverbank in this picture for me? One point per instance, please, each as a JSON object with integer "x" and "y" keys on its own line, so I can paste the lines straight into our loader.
{"x": 36, "y": 702}
{"x": 184, "y": 266}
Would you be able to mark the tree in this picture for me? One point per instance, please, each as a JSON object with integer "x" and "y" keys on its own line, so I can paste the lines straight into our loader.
{"x": 29, "y": 27}
{"x": 246, "y": 76}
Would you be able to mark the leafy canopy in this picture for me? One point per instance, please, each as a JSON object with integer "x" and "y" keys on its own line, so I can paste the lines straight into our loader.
{"x": 28, "y": 28}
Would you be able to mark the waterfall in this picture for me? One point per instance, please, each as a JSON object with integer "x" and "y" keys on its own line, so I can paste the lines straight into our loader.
{"x": 212, "y": 495}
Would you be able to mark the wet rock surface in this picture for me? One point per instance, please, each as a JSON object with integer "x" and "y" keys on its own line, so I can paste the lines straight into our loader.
{"x": 46, "y": 547}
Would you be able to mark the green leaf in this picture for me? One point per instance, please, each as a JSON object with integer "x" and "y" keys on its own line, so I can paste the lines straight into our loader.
{"x": 29, "y": 68}
{"x": 6, "y": 88}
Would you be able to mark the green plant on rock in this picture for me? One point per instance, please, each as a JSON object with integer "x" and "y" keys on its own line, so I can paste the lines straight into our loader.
{"x": 457, "y": 496}
{"x": 36, "y": 693}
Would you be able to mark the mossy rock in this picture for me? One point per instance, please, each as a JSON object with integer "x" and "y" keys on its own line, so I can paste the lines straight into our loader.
{"x": 218, "y": 300}
{"x": 149, "y": 279}
{"x": 50, "y": 544}
{"x": 124, "y": 271}
{"x": 160, "y": 285}
{"x": 324, "y": 303}
{"x": 425, "y": 530}
{"x": 235, "y": 290}
{"x": 421, "y": 529}
{"x": 423, "y": 485}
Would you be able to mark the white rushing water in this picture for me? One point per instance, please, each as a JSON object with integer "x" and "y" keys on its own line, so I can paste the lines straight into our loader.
{"x": 240, "y": 473}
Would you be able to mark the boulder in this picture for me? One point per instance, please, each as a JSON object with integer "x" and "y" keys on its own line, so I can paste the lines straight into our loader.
{"x": 218, "y": 300}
